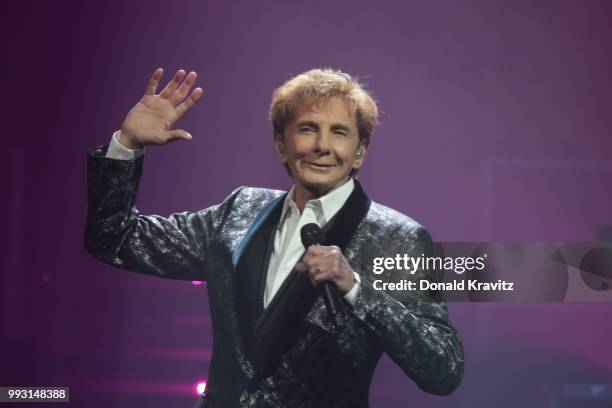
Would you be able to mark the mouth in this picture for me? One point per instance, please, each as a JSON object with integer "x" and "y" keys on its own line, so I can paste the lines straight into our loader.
{"x": 320, "y": 166}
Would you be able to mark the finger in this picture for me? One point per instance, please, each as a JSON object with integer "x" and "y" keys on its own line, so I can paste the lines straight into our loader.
{"x": 320, "y": 277}
{"x": 173, "y": 84}
{"x": 319, "y": 249}
{"x": 180, "y": 134}
{"x": 300, "y": 267}
{"x": 316, "y": 273}
{"x": 154, "y": 81}
{"x": 312, "y": 273}
{"x": 313, "y": 270}
{"x": 306, "y": 257}
{"x": 311, "y": 261}
{"x": 184, "y": 88}
{"x": 189, "y": 101}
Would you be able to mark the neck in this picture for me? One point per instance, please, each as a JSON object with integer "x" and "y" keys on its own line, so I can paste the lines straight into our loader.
{"x": 301, "y": 193}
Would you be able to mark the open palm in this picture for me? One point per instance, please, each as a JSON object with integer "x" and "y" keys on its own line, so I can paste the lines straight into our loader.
{"x": 150, "y": 121}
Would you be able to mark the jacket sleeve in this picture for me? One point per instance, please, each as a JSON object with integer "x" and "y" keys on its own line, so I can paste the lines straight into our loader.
{"x": 118, "y": 234}
{"x": 412, "y": 326}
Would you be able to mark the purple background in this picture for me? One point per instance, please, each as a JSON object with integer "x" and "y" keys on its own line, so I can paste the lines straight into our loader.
{"x": 496, "y": 126}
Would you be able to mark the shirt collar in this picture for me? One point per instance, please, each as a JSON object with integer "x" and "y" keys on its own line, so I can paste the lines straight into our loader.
{"x": 330, "y": 203}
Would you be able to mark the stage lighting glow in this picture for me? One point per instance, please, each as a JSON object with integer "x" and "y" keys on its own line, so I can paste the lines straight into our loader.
{"x": 200, "y": 387}
{"x": 196, "y": 282}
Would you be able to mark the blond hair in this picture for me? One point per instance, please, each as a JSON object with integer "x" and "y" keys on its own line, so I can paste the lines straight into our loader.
{"x": 309, "y": 88}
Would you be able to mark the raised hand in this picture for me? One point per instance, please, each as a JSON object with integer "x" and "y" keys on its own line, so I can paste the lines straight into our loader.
{"x": 150, "y": 121}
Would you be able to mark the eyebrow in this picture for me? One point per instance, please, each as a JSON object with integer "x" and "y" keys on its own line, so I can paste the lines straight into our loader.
{"x": 307, "y": 123}
{"x": 335, "y": 126}
{"x": 340, "y": 126}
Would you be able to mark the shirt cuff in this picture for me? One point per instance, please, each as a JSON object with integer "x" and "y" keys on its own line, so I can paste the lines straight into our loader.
{"x": 118, "y": 151}
{"x": 351, "y": 296}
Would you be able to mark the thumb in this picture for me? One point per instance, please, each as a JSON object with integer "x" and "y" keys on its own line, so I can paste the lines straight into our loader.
{"x": 180, "y": 134}
{"x": 300, "y": 267}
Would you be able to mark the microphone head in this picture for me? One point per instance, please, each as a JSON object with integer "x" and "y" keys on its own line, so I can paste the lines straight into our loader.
{"x": 311, "y": 235}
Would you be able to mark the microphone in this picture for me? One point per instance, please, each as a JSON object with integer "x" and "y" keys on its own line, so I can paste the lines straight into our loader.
{"x": 312, "y": 235}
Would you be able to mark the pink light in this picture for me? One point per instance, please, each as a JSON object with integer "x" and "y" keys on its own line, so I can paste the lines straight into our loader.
{"x": 200, "y": 387}
{"x": 196, "y": 282}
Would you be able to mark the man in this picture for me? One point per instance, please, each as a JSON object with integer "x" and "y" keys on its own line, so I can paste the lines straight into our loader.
{"x": 248, "y": 249}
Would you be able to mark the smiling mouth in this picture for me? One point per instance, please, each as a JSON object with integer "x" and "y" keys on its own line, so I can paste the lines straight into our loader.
{"x": 320, "y": 165}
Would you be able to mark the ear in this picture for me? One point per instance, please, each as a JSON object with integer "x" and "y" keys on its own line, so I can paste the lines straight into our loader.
{"x": 359, "y": 157}
{"x": 279, "y": 144}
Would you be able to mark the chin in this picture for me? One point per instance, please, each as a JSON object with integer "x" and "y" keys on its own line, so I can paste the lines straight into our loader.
{"x": 317, "y": 185}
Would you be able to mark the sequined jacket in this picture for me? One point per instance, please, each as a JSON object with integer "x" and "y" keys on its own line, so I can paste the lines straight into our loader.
{"x": 228, "y": 246}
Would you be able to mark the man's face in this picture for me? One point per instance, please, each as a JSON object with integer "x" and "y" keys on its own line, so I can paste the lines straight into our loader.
{"x": 321, "y": 146}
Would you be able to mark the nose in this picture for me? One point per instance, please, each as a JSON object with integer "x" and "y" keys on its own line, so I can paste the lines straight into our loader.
{"x": 322, "y": 142}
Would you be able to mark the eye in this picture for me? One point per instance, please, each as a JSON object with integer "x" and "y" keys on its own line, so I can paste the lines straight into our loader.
{"x": 306, "y": 129}
{"x": 340, "y": 132}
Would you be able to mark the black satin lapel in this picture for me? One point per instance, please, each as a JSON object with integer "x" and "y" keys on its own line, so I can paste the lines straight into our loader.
{"x": 341, "y": 228}
{"x": 270, "y": 235}
{"x": 250, "y": 270}
{"x": 279, "y": 324}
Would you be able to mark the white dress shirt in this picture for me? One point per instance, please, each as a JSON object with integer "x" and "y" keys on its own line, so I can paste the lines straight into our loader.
{"x": 288, "y": 248}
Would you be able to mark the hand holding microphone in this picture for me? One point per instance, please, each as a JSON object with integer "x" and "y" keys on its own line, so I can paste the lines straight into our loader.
{"x": 326, "y": 266}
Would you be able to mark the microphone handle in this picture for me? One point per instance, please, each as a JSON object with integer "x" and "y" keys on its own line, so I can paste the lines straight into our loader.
{"x": 333, "y": 303}
{"x": 311, "y": 234}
